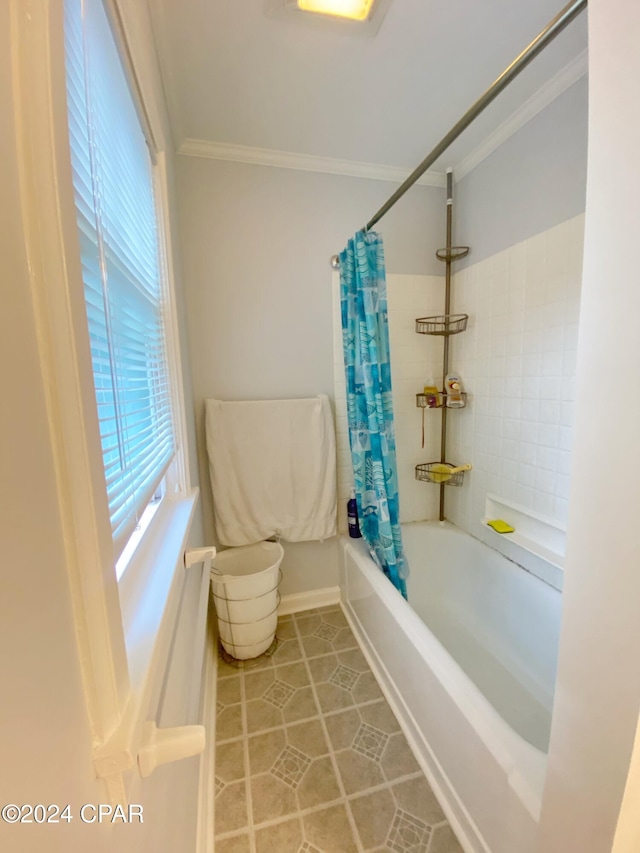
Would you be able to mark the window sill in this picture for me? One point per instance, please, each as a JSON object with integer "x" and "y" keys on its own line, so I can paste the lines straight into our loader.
{"x": 150, "y": 592}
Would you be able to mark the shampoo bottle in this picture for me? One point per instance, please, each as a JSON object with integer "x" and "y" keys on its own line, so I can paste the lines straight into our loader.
{"x": 352, "y": 516}
{"x": 453, "y": 389}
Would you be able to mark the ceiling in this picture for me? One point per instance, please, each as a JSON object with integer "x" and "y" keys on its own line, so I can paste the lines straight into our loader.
{"x": 235, "y": 75}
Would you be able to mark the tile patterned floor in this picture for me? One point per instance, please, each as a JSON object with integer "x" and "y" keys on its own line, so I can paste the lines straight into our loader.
{"x": 309, "y": 756}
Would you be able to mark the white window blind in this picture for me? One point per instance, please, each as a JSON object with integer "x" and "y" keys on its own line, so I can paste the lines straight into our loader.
{"x": 124, "y": 290}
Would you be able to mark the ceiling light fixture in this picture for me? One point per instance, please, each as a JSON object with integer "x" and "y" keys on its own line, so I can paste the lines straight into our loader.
{"x": 354, "y": 10}
{"x": 356, "y": 17}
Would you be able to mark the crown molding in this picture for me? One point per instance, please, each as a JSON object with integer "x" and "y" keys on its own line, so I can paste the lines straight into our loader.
{"x": 304, "y": 162}
{"x": 558, "y": 84}
{"x": 545, "y": 95}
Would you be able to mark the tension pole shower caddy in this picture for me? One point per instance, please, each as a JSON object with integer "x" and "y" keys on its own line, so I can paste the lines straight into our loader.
{"x": 443, "y": 473}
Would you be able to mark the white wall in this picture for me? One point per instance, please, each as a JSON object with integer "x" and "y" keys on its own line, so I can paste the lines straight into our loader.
{"x": 535, "y": 180}
{"x": 256, "y": 243}
{"x": 598, "y": 689}
{"x": 45, "y": 738}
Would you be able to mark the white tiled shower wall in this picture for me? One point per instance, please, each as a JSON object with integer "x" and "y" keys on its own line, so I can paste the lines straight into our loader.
{"x": 517, "y": 362}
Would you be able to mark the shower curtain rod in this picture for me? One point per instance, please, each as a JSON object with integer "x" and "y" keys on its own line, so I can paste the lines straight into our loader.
{"x": 553, "y": 28}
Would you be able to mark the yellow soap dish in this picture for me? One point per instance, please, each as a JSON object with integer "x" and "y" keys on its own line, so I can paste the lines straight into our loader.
{"x": 501, "y": 526}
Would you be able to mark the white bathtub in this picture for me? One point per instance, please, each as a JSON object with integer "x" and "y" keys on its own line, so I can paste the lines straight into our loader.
{"x": 469, "y": 667}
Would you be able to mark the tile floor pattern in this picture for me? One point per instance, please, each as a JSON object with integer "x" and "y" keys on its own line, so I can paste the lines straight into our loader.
{"x": 309, "y": 756}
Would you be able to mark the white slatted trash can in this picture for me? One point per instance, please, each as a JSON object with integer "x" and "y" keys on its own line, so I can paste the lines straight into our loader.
{"x": 245, "y": 590}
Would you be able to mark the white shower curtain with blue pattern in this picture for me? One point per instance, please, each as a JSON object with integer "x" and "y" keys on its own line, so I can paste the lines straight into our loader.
{"x": 365, "y": 332}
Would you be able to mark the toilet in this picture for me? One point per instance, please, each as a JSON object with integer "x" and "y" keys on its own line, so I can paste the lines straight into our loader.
{"x": 245, "y": 582}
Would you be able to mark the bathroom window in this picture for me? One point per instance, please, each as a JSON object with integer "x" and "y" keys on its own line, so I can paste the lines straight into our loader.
{"x": 102, "y": 287}
{"x": 125, "y": 290}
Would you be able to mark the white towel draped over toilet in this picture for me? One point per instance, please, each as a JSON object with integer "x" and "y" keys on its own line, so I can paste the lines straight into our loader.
{"x": 273, "y": 469}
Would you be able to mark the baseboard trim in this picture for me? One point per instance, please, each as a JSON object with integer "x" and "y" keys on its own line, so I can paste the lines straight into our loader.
{"x": 298, "y": 601}
{"x": 207, "y": 785}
